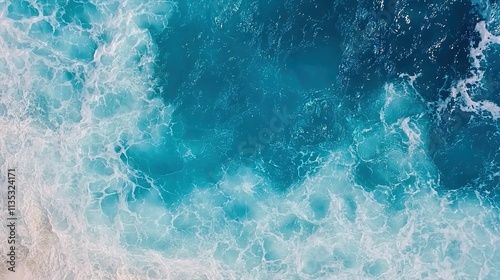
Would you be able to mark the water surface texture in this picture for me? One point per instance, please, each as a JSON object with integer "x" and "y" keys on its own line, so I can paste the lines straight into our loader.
{"x": 266, "y": 139}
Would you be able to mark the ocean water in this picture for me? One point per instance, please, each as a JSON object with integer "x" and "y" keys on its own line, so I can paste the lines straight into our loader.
{"x": 266, "y": 139}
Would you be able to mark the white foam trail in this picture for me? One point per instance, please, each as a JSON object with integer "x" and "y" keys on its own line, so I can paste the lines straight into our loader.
{"x": 60, "y": 132}
{"x": 461, "y": 92}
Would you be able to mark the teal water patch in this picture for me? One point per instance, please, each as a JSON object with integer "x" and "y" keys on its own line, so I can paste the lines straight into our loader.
{"x": 467, "y": 156}
{"x": 81, "y": 13}
{"x": 321, "y": 206}
{"x": 293, "y": 226}
{"x": 78, "y": 45}
{"x": 157, "y": 161}
{"x": 21, "y": 9}
{"x": 41, "y": 29}
{"x": 251, "y": 88}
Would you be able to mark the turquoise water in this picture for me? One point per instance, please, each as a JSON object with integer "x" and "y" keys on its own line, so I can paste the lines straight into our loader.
{"x": 253, "y": 140}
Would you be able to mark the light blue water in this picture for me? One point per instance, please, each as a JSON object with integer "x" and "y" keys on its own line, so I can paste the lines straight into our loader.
{"x": 253, "y": 140}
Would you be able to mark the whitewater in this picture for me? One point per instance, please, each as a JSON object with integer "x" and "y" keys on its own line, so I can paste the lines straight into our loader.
{"x": 231, "y": 139}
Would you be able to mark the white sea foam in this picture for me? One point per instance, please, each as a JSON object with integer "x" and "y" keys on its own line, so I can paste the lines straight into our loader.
{"x": 329, "y": 226}
{"x": 69, "y": 174}
{"x": 464, "y": 89}
{"x": 61, "y": 119}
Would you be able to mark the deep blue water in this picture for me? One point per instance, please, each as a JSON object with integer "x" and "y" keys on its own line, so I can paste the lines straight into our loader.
{"x": 223, "y": 139}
